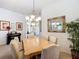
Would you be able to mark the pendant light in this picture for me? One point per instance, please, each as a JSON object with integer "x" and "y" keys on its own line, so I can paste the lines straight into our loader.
{"x": 33, "y": 17}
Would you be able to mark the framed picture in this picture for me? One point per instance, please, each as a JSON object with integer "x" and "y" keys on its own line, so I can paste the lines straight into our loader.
{"x": 56, "y": 24}
{"x": 19, "y": 26}
{"x": 4, "y": 25}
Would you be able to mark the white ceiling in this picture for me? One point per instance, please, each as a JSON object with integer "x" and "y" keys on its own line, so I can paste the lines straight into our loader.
{"x": 25, "y": 6}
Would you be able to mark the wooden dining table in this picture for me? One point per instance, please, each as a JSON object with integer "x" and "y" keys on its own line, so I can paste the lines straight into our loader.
{"x": 34, "y": 46}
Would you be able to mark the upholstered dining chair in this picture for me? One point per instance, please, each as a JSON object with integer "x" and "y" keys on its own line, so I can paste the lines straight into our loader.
{"x": 52, "y": 39}
{"x": 7, "y": 52}
{"x": 30, "y": 35}
{"x": 18, "y": 48}
{"x": 50, "y": 52}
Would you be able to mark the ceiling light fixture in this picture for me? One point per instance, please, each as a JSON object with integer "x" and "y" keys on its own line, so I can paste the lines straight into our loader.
{"x": 33, "y": 17}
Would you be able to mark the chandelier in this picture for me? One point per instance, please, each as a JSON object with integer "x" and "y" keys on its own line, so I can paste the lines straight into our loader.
{"x": 33, "y": 17}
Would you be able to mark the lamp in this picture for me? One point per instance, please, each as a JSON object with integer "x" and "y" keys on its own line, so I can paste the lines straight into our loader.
{"x": 33, "y": 17}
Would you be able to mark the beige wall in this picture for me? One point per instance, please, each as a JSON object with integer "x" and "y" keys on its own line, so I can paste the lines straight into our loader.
{"x": 68, "y": 8}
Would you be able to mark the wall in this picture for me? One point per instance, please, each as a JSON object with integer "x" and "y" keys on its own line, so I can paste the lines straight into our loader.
{"x": 68, "y": 8}
{"x": 13, "y": 17}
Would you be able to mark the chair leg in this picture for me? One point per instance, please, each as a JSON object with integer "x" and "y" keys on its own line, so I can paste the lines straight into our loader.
{"x": 27, "y": 57}
{"x": 36, "y": 57}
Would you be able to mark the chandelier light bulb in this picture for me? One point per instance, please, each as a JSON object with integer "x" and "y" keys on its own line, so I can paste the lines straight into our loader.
{"x": 27, "y": 17}
{"x": 33, "y": 24}
{"x": 39, "y": 18}
{"x": 32, "y": 16}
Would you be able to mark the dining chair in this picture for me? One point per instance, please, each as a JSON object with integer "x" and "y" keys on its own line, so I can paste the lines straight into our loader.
{"x": 7, "y": 52}
{"x": 18, "y": 48}
{"x": 30, "y": 35}
{"x": 50, "y": 52}
{"x": 52, "y": 39}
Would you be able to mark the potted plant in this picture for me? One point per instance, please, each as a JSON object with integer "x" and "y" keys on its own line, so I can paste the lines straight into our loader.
{"x": 73, "y": 30}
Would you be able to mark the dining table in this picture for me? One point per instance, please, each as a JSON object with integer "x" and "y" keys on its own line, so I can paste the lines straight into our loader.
{"x": 34, "y": 46}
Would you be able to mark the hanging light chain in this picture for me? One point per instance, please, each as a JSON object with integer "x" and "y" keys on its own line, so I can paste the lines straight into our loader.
{"x": 33, "y": 5}
{"x": 33, "y": 17}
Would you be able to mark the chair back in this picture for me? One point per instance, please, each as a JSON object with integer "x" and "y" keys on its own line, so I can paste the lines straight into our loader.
{"x": 50, "y": 52}
{"x": 53, "y": 39}
{"x": 17, "y": 46}
{"x": 30, "y": 35}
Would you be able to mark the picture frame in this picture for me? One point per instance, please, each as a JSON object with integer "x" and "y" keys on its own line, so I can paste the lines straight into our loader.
{"x": 4, "y": 25}
{"x": 19, "y": 26}
{"x": 56, "y": 24}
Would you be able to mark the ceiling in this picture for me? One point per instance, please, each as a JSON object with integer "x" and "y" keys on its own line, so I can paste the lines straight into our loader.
{"x": 25, "y": 6}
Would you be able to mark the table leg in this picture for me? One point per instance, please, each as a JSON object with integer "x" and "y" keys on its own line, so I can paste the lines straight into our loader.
{"x": 19, "y": 38}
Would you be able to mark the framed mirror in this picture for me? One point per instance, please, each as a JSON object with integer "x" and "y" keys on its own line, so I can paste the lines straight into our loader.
{"x": 56, "y": 24}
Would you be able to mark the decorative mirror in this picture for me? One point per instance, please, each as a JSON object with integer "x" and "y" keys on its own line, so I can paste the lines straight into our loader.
{"x": 56, "y": 24}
